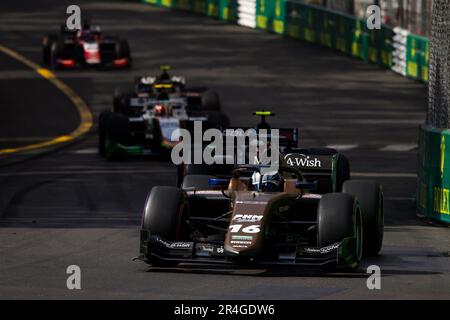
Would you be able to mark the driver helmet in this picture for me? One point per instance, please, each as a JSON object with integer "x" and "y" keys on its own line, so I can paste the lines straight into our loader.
{"x": 270, "y": 182}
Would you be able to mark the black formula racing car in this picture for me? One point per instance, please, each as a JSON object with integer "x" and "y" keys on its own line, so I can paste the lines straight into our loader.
{"x": 144, "y": 118}
{"x": 307, "y": 213}
{"x": 85, "y": 47}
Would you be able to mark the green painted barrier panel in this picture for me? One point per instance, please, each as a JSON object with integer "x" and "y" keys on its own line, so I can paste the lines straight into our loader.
{"x": 270, "y": 15}
{"x": 228, "y": 10}
{"x": 319, "y": 25}
{"x": 417, "y": 55}
{"x": 386, "y": 46}
{"x": 221, "y": 9}
{"x": 183, "y": 4}
{"x": 433, "y": 191}
{"x": 337, "y": 31}
{"x": 154, "y": 2}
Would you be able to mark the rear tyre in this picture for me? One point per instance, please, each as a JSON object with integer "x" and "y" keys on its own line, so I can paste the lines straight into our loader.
{"x": 210, "y": 101}
{"x": 47, "y": 42}
{"x": 123, "y": 51}
{"x": 341, "y": 171}
{"x": 102, "y": 119}
{"x": 56, "y": 51}
{"x": 121, "y": 100}
{"x": 217, "y": 120}
{"x": 163, "y": 217}
{"x": 339, "y": 217}
{"x": 116, "y": 129}
{"x": 370, "y": 197}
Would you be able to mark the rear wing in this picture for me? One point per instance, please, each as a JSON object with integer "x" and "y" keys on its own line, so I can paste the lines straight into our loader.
{"x": 326, "y": 166}
{"x": 288, "y": 137}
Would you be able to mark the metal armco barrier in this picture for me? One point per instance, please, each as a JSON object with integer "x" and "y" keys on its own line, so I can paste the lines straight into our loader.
{"x": 433, "y": 191}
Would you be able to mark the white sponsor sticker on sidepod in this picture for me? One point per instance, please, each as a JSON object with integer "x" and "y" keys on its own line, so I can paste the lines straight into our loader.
{"x": 168, "y": 126}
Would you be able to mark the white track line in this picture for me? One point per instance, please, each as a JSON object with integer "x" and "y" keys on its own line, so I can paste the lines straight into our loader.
{"x": 399, "y": 147}
{"x": 342, "y": 147}
{"x": 86, "y": 151}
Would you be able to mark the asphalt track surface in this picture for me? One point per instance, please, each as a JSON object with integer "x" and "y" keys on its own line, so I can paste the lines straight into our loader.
{"x": 71, "y": 207}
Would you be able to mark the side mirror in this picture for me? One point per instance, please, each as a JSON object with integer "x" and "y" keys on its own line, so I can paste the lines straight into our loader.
{"x": 306, "y": 185}
{"x": 217, "y": 182}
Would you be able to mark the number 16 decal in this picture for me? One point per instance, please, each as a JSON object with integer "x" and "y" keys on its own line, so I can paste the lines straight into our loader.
{"x": 249, "y": 229}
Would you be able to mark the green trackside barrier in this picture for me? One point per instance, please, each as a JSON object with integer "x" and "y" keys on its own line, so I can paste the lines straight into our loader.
{"x": 336, "y": 30}
{"x": 433, "y": 192}
{"x": 228, "y": 10}
{"x": 315, "y": 24}
{"x": 417, "y": 54}
{"x": 155, "y": 2}
{"x": 221, "y": 9}
{"x": 270, "y": 15}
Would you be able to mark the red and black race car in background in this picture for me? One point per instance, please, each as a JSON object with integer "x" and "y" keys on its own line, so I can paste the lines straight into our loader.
{"x": 85, "y": 47}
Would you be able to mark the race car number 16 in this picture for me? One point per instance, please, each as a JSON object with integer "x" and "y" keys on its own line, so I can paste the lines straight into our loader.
{"x": 249, "y": 229}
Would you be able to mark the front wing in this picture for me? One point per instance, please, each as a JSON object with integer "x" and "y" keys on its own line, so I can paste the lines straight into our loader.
{"x": 338, "y": 254}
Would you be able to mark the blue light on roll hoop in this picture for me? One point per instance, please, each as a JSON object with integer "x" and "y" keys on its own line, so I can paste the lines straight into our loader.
{"x": 218, "y": 182}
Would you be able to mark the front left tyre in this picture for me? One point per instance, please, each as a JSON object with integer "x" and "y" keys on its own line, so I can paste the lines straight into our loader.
{"x": 163, "y": 214}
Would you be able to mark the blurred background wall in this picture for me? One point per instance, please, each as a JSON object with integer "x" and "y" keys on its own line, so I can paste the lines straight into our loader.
{"x": 412, "y": 15}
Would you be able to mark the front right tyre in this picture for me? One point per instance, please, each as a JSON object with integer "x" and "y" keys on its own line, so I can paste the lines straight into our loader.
{"x": 370, "y": 197}
{"x": 339, "y": 217}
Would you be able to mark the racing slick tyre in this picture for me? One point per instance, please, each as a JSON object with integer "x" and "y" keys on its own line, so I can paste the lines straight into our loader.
{"x": 163, "y": 217}
{"x": 120, "y": 100}
{"x": 341, "y": 171}
{"x": 116, "y": 130}
{"x": 210, "y": 101}
{"x": 102, "y": 119}
{"x": 123, "y": 51}
{"x": 217, "y": 120}
{"x": 46, "y": 47}
{"x": 370, "y": 197}
{"x": 56, "y": 51}
{"x": 339, "y": 217}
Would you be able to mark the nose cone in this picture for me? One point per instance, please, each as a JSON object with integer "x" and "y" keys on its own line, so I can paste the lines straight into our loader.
{"x": 244, "y": 236}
